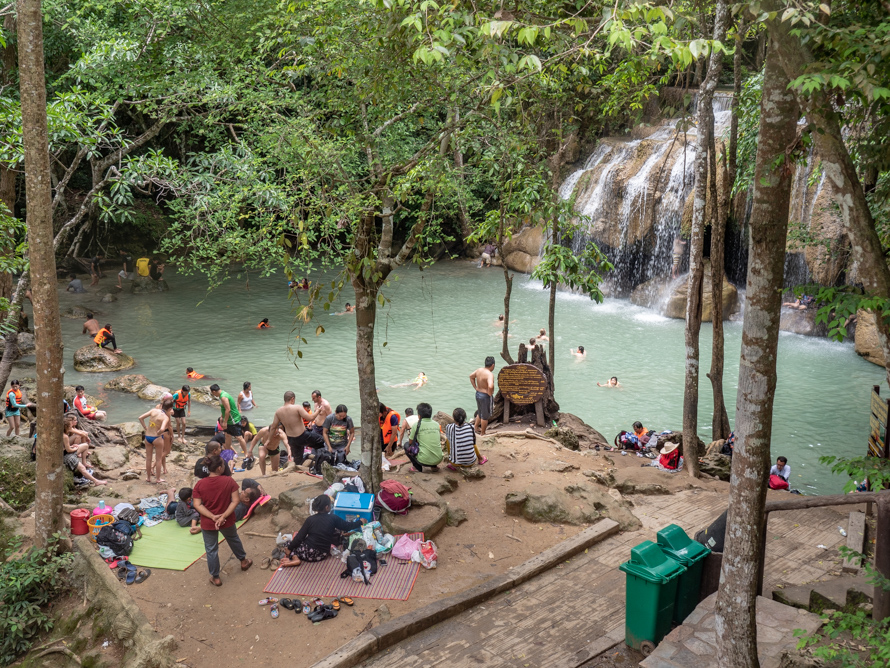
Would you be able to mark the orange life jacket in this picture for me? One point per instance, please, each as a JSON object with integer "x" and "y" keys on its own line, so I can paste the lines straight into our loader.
{"x": 262, "y": 325}
{"x": 101, "y": 336}
{"x": 194, "y": 374}
{"x": 386, "y": 425}
{"x": 18, "y": 399}
{"x": 180, "y": 399}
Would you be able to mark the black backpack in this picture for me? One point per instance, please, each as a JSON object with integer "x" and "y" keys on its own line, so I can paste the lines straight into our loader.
{"x": 321, "y": 456}
{"x": 118, "y": 542}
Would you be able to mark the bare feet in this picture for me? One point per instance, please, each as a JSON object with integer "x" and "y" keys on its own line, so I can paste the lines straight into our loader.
{"x": 161, "y": 480}
{"x": 195, "y": 530}
{"x": 100, "y": 482}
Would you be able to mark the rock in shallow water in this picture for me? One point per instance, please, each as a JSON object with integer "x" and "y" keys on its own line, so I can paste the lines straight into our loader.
{"x": 92, "y": 359}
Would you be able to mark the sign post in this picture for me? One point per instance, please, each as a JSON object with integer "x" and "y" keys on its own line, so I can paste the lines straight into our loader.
{"x": 523, "y": 384}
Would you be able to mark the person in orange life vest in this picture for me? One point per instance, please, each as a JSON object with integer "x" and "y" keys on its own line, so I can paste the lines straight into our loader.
{"x": 389, "y": 428}
{"x": 191, "y": 373}
{"x": 182, "y": 401}
{"x": 14, "y": 407}
{"x": 105, "y": 338}
{"x": 264, "y": 324}
{"x": 87, "y": 411}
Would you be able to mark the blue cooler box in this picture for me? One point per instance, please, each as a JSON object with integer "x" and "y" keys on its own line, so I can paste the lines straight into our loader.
{"x": 353, "y": 506}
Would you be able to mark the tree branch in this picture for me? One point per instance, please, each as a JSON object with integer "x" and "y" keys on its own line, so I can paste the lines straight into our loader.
{"x": 84, "y": 208}
{"x": 395, "y": 119}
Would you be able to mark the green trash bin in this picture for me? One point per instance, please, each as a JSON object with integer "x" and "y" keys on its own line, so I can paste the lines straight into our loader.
{"x": 676, "y": 545}
{"x": 651, "y": 592}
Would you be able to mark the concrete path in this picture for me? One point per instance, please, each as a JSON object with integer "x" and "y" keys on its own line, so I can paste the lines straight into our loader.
{"x": 575, "y": 611}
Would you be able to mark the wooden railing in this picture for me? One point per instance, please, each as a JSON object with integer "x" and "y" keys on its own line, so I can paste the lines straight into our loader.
{"x": 882, "y": 538}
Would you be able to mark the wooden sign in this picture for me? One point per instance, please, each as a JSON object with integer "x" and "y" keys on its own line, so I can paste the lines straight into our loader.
{"x": 522, "y": 384}
{"x": 877, "y": 438}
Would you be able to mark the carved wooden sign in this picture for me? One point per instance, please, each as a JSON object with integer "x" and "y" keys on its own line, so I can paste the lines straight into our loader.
{"x": 522, "y": 384}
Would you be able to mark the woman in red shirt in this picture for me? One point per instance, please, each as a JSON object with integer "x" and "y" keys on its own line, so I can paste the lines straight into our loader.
{"x": 215, "y": 498}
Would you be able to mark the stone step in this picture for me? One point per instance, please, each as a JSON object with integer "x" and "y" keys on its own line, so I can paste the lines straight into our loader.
{"x": 832, "y": 594}
{"x": 855, "y": 540}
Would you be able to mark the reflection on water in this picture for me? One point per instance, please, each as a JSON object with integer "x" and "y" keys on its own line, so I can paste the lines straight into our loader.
{"x": 440, "y": 321}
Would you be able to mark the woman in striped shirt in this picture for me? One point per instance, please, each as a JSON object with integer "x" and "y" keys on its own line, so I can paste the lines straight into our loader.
{"x": 462, "y": 450}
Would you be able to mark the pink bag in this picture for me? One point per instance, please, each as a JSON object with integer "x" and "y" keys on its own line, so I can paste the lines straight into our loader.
{"x": 428, "y": 554}
{"x": 405, "y": 546}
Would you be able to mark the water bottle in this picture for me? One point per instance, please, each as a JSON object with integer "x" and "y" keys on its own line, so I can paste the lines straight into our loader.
{"x": 100, "y": 509}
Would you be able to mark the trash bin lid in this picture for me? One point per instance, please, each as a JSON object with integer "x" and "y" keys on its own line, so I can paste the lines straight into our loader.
{"x": 674, "y": 542}
{"x": 649, "y": 563}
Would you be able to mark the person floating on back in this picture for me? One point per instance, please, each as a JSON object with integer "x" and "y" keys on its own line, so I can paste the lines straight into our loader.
{"x": 191, "y": 373}
{"x": 264, "y": 324}
{"x": 105, "y": 339}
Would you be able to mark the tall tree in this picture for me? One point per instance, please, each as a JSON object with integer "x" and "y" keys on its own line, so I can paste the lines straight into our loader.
{"x": 736, "y": 599}
{"x": 704, "y": 120}
{"x": 47, "y": 327}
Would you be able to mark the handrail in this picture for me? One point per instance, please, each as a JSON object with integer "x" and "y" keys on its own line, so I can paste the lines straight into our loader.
{"x": 802, "y": 502}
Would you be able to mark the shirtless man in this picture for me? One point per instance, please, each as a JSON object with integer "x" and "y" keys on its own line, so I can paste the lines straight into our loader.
{"x": 158, "y": 424}
{"x": 543, "y": 336}
{"x": 290, "y": 418}
{"x": 580, "y": 353}
{"x": 322, "y": 410}
{"x": 91, "y": 326}
{"x": 482, "y": 380}
{"x": 270, "y": 446}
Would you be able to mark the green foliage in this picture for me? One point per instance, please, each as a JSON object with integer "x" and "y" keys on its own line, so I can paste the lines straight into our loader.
{"x": 28, "y": 583}
{"x": 859, "y": 469}
{"x": 17, "y": 474}
{"x": 749, "y": 127}
{"x": 870, "y": 644}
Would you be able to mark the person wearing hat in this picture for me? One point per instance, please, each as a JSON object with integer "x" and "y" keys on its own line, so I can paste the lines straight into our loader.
{"x": 670, "y": 457}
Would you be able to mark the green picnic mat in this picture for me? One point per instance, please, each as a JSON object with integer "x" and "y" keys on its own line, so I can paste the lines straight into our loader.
{"x": 168, "y": 545}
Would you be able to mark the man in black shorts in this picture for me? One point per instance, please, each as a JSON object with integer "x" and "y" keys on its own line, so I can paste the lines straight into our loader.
{"x": 290, "y": 418}
{"x": 182, "y": 402}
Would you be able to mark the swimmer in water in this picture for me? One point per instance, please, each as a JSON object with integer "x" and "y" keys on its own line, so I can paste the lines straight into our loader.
{"x": 264, "y": 324}
{"x": 612, "y": 382}
{"x": 348, "y": 310}
{"x": 543, "y": 336}
{"x": 500, "y": 321}
{"x": 191, "y": 373}
{"x": 580, "y": 353}
{"x": 418, "y": 382}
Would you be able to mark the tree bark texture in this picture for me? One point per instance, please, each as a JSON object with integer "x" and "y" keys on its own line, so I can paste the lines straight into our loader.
{"x": 696, "y": 247}
{"x": 840, "y": 171}
{"x": 47, "y": 327}
{"x": 7, "y": 176}
{"x": 736, "y": 95}
{"x": 12, "y": 320}
{"x": 735, "y": 619}
{"x": 365, "y": 320}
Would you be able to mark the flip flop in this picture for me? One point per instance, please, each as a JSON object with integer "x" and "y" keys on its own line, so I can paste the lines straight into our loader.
{"x": 307, "y": 609}
{"x": 348, "y": 601}
{"x": 484, "y": 460}
{"x": 287, "y": 604}
{"x": 274, "y": 611}
{"x": 143, "y": 576}
{"x": 122, "y": 572}
{"x": 264, "y": 564}
{"x": 451, "y": 467}
{"x": 273, "y": 565}
{"x": 131, "y": 576}
{"x": 318, "y": 603}
{"x": 267, "y": 601}
{"x": 237, "y": 470}
{"x": 335, "y": 604}
{"x": 327, "y": 612}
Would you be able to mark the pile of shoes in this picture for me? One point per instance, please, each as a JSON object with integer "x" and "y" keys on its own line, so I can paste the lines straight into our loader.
{"x": 320, "y": 612}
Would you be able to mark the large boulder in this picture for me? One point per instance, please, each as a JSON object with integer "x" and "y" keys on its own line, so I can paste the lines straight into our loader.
{"x": 587, "y": 437}
{"x": 142, "y": 284}
{"x": 201, "y": 395}
{"x": 78, "y": 313}
{"x": 669, "y": 297}
{"x": 867, "y": 341}
{"x": 93, "y": 359}
{"x": 443, "y": 419}
{"x": 110, "y": 457}
{"x": 801, "y": 322}
{"x": 523, "y": 251}
{"x": 716, "y": 465}
{"x": 152, "y": 392}
{"x": 131, "y": 383}
{"x": 574, "y": 504}
{"x": 677, "y": 437}
{"x": 132, "y": 432}
{"x": 25, "y": 343}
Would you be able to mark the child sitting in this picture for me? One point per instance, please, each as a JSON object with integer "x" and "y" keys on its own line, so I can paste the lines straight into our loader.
{"x": 185, "y": 511}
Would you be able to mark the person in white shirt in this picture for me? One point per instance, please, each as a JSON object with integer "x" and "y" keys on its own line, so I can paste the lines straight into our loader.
{"x": 407, "y": 425}
{"x": 781, "y": 469}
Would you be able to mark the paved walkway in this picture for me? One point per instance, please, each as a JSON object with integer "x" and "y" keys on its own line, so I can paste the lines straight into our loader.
{"x": 575, "y": 611}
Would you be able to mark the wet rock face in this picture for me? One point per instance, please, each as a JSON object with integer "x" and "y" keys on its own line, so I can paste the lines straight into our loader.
{"x": 867, "y": 341}
{"x": 801, "y": 322}
{"x": 523, "y": 252}
{"x": 92, "y": 359}
{"x": 131, "y": 383}
{"x": 716, "y": 465}
{"x": 669, "y": 297}
{"x": 142, "y": 284}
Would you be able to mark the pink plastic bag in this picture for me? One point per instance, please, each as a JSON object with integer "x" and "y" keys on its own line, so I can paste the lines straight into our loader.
{"x": 405, "y": 546}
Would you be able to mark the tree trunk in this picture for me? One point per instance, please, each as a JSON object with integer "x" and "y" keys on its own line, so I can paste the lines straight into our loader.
{"x": 704, "y": 111}
{"x": 7, "y": 176}
{"x": 11, "y": 322}
{"x": 736, "y": 94}
{"x": 365, "y": 320}
{"x": 720, "y": 418}
{"x": 840, "y": 171}
{"x": 508, "y": 281}
{"x": 735, "y": 620}
{"x": 551, "y": 325}
{"x": 47, "y": 327}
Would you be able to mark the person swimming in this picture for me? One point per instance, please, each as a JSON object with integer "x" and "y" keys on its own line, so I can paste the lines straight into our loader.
{"x": 264, "y": 324}
{"x": 191, "y": 373}
{"x": 580, "y": 354}
{"x": 612, "y": 382}
{"x": 348, "y": 310}
{"x": 417, "y": 382}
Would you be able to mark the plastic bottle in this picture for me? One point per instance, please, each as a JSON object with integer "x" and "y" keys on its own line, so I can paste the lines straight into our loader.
{"x": 100, "y": 509}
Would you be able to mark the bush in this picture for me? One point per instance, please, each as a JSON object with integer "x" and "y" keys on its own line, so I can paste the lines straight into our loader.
{"x": 28, "y": 582}
{"x": 17, "y": 476}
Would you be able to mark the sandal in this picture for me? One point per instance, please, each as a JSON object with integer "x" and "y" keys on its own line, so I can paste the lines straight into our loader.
{"x": 131, "y": 576}
{"x": 335, "y": 604}
{"x": 307, "y": 608}
{"x": 451, "y": 467}
{"x": 484, "y": 460}
{"x": 348, "y": 601}
{"x": 267, "y": 601}
{"x": 273, "y": 565}
{"x": 287, "y": 604}
{"x": 143, "y": 576}
{"x": 274, "y": 611}
{"x": 323, "y": 613}
{"x": 264, "y": 564}
{"x": 318, "y": 603}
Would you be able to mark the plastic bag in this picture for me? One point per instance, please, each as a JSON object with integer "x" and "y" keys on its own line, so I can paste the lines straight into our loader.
{"x": 335, "y": 489}
{"x": 386, "y": 465}
{"x": 385, "y": 543}
{"x": 405, "y": 546}
{"x": 284, "y": 538}
{"x": 427, "y": 555}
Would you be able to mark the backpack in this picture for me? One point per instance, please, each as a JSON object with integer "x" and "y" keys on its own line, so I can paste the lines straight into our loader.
{"x": 118, "y": 542}
{"x": 394, "y": 497}
{"x": 321, "y": 456}
{"x": 627, "y": 441}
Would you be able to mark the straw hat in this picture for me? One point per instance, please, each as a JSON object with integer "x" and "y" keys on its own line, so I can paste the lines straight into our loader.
{"x": 668, "y": 448}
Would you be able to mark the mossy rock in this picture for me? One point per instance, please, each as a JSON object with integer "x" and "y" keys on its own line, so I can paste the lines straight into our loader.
{"x": 93, "y": 359}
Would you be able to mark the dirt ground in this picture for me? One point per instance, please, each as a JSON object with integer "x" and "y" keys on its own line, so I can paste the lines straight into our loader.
{"x": 226, "y": 627}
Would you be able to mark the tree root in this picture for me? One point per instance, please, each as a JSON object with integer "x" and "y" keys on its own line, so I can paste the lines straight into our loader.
{"x": 528, "y": 433}
{"x": 62, "y": 650}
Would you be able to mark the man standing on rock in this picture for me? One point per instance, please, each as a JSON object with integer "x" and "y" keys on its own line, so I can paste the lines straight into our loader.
{"x": 322, "y": 410}
{"x": 482, "y": 380}
{"x": 230, "y": 419}
{"x": 290, "y": 418}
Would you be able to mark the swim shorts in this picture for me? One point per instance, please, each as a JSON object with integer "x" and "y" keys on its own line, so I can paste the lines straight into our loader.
{"x": 297, "y": 443}
{"x": 233, "y": 430}
{"x": 179, "y": 412}
{"x": 485, "y": 405}
{"x": 16, "y": 412}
